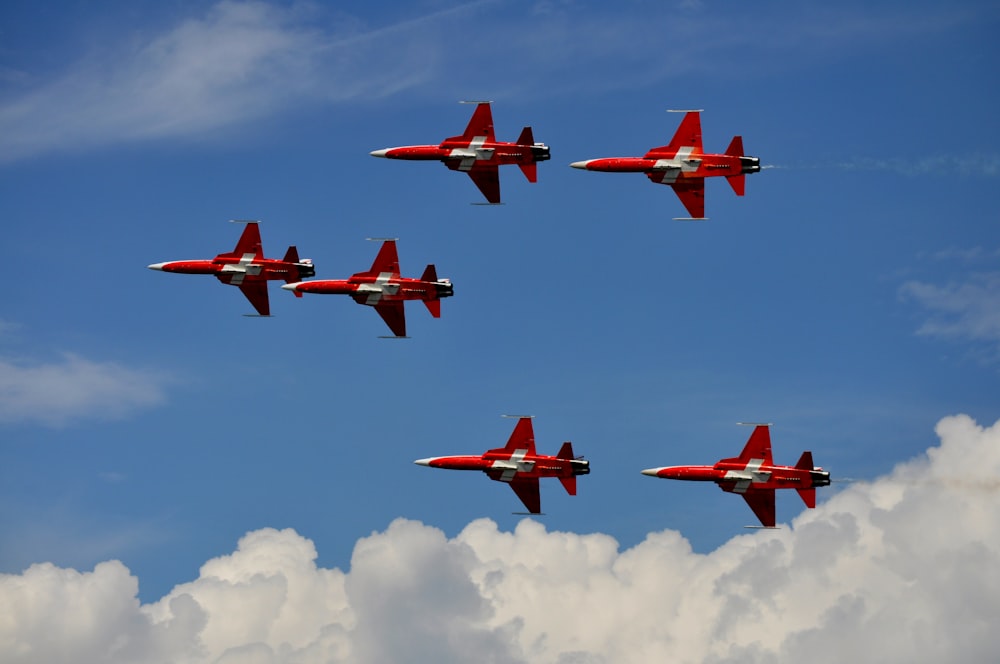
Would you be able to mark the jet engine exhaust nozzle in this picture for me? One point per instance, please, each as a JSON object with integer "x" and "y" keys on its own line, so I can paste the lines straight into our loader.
{"x": 750, "y": 164}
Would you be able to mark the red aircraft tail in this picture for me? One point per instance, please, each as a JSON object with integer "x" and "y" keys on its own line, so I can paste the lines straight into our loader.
{"x": 737, "y": 182}
{"x": 433, "y": 306}
{"x": 569, "y": 483}
{"x": 530, "y": 171}
{"x": 292, "y": 255}
{"x": 526, "y": 137}
{"x": 430, "y": 273}
{"x": 808, "y": 495}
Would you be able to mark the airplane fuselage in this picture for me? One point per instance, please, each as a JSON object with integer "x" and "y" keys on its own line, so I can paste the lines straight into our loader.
{"x": 736, "y": 476}
{"x": 235, "y": 269}
{"x": 468, "y": 153}
{"x": 380, "y": 288}
{"x": 524, "y": 466}
{"x": 684, "y": 164}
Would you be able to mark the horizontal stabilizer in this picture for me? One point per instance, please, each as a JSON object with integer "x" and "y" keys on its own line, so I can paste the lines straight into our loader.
{"x": 530, "y": 171}
{"x": 808, "y": 496}
{"x": 292, "y": 255}
{"x": 805, "y": 461}
{"x": 434, "y": 306}
{"x": 526, "y": 137}
{"x": 569, "y": 483}
{"x": 738, "y": 183}
{"x": 566, "y": 451}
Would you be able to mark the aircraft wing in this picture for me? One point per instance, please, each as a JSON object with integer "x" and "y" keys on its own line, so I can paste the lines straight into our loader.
{"x": 487, "y": 178}
{"x": 759, "y": 446}
{"x": 249, "y": 242}
{"x": 394, "y": 315}
{"x": 387, "y": 260}
{"x": 522, "y": 438}
{"x": 480, "y": 125}
{"x": 761, "y": 501}
{"x": 691, "y": 191}
{"x": 527, "y": 491}
{"x": 255, "y": 290}
{"x": 688, "y": 135}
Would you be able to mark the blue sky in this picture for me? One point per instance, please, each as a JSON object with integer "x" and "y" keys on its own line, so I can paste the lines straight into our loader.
{"x": 852, "y": 297}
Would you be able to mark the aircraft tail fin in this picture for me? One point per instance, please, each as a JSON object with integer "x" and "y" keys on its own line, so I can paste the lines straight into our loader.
{"x": 526, "y": 137}
{"x": 805, "y": 461}
{"x": 735, "y": 148}
{"x": 808, "y": 496}
{"x": 430, "y": 273}
{"x": 566, "y": 451}
{"x": 569, "y": 483}
{"x": 433, "y": 306}
{"x": 738, "y": 183}
{"x": 292, "y": 255}
{"x": 530, "y": 171}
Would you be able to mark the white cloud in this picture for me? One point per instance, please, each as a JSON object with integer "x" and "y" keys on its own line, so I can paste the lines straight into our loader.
{"x": 74, "y": 389}
{"x": 241, "y": 61}
{"x": 969, "y": 310}
{"x": 905, "y": 568}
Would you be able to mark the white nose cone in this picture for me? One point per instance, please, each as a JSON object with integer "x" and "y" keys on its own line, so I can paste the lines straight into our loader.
{"x": 379, "y": 153}
{"x": 424, "y": 462}
{"x": 651, "y": 471}
{"x": 156, "y": 266}
{"x": 291, "y": 287}
{"x": 581, "y": 164}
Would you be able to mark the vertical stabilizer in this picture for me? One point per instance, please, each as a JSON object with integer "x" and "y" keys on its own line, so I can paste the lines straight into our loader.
{"x": 430, "y": 273}
{"x": 735, "y": 148}
{"x": 292, "y": 255}
{"x": 805, "y": 461}
{"x": 526, "y": 137}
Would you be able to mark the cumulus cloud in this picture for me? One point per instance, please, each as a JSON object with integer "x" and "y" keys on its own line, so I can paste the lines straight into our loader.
{"x": 74, "y": 388}
{"x": 904, "y": 568}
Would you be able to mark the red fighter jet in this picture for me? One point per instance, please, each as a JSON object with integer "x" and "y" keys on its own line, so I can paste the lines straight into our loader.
{"x": 520, "y": 466}
{"x": 754, "y": 476}
{"x": 246, "y": 267}
{"x": 382, "y": 287}
{"x": 684, "y": 166}
{"x": 478, "y": 153}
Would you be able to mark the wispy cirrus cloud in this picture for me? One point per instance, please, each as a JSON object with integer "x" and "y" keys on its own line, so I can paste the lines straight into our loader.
{"x": 75, "y": 388}
{"x": 967, "y": 310}
{"x": 240, "y": 61}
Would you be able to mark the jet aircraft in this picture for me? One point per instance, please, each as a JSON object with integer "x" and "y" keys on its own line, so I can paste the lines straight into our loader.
{"x": 519, "y": 465}
{"x": 754, "y": 476}
{"x": 478, "y": 153}
{"x": 684, "y": 166}
{"x": 246, "y": 267}
{"x": 382, "y": 287}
